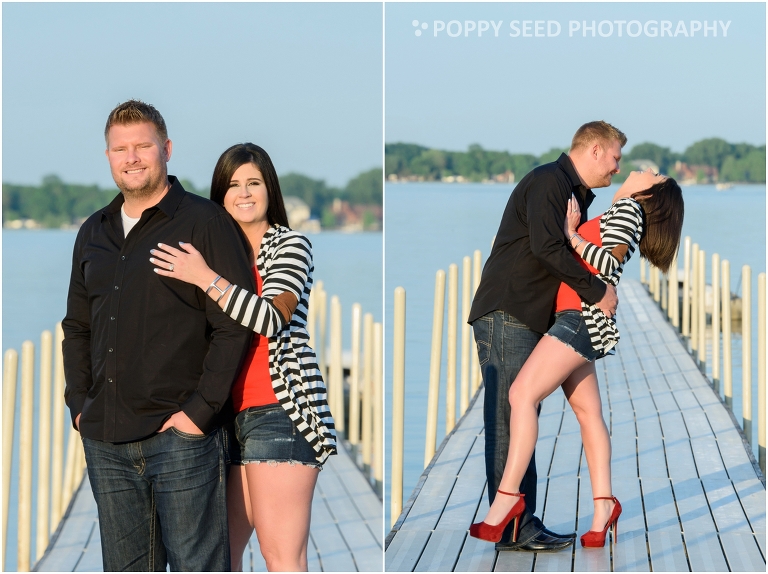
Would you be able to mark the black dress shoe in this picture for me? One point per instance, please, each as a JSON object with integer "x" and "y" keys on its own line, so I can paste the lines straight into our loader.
{"x": 556, "y": 535}
{"x": 542, "y": 542}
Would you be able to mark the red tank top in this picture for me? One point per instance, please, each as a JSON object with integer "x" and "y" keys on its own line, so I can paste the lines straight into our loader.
{"x": 253, "y": 387}
{"x": 567, "y": 299}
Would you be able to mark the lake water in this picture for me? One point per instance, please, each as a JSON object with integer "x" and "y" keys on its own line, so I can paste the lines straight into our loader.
{"x": 37, "y": 265}
{"x": 431, "y": 225}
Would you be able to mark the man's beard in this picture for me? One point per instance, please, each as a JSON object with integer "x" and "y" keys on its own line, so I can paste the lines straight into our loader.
{"x": 150, "y": 188}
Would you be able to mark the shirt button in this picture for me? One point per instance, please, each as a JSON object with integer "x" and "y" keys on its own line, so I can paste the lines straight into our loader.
{"x": 110, "y": 350}
{"x": 116, "y": 287}
{"x": 111, "y": 318}
{"x": 123, "y": 258}
{"x": 109, "y": 380}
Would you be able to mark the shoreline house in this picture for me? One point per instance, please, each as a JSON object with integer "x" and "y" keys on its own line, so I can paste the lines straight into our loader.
{"x": 695, "y": 174}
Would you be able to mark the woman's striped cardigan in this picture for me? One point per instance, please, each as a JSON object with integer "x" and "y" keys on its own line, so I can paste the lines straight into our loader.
{"x": 285, "y": 264}
{"x": 622, "y": 224}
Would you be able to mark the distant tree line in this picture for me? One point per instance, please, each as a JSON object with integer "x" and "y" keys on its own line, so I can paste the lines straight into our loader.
{"x": 734, "y": 162}
{"x": 54, "y": 203}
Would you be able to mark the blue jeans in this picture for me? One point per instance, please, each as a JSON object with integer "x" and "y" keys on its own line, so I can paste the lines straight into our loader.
{"x": 161, "y": 500}
{"x": 503, "y": 345}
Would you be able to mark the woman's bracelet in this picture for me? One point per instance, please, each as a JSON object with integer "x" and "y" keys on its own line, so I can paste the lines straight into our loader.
{"x": 572, "y": 236}
{"x": 579, "y": 243}
{"x": 214, "y": 286}
{"x": 224, "y": 292}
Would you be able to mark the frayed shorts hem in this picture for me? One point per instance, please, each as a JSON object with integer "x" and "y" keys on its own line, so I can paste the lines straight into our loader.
{"x": 273, "y": 463}
{"x": 572, "y": 348}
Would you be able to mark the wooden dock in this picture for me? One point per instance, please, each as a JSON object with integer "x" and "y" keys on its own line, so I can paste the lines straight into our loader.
{"x": 346, "y": 534}
{"x": 693, "y": 498}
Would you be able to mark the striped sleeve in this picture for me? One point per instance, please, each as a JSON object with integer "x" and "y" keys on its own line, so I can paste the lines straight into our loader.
{"x": 600, "y": 258}
{"x": 287, "y": 272}
{"x": 620, "y": 229}
{"x": 256, "y": 313}
{"x": 289, "y": 267}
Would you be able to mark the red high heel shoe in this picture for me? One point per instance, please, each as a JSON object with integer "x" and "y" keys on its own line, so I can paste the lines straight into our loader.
{"x": 493, "y": 532}
{"x": 596, "y": 538}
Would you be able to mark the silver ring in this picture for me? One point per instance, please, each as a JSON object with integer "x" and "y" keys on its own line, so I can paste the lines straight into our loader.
{"x": 171, "y": 268}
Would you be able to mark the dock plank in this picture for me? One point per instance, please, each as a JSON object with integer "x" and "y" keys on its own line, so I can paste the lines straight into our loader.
{"x": 667, "y": 551}
{"x": 742, "y": 552}
{"x": 704, "y": 551}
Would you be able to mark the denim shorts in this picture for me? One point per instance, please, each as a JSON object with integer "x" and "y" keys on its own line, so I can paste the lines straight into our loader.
{"x": 570, "y": 328}
{"x": 267, "y": 434}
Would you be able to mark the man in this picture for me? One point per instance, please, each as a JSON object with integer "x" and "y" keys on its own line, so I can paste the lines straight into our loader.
{"x": 149, "y": 361}
{"x": 514, "y": 302}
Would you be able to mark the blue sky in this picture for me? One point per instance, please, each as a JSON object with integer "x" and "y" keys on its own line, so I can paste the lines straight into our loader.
{"x": 302, "y": 80}
{"x": 527, "y": 94}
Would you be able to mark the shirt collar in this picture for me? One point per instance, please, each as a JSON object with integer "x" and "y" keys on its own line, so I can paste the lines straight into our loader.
{"x": 168, "y": 204}
{"x": 565, "y": 163}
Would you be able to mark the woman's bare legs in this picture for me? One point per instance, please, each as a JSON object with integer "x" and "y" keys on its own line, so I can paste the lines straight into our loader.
{"x": 283, "y": 531}
{"x": 582, "y": 392}
{"x": 281, "y": 505}
{"x": 550, "y": 363}
{"x": 238, "y": 515}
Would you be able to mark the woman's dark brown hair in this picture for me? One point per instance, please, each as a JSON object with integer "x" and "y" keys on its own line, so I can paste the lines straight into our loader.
{"x": 228, "y": 164}
{"x": 663, "y": 207}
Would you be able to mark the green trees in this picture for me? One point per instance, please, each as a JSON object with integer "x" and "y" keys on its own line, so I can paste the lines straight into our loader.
{"x": 365, "y": 189}
{"x": 661, "y": 156}
{"x": 476, "y": 164}
{"x": 734, "y": 162}
{"x": 749, "y": 167}
{"x": 54, "y": 203}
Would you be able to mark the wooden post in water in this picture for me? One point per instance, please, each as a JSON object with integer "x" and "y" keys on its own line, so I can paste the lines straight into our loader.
{"x": 25, "y": 455}
{"x": 716, "y": 322}
{"x": 79, "y": 466}
{"x": 59, "y": 414}
{"x": 354, "y": 382}
{"x": 398, "y": 406}
{"x": 378, "y": 406}
{"x": 656, "y": 289}
{"x": 650, "y": 279}
{"x": 642, "y": 270}
{"x": 694, "y": 299}
{"x": 686, "y": 328}
{"x": 368, "y": 391}
{"x": 746, "y": 350}
{"x": 761, "y": 310}
{"x": 673, "y": 306}
{"x": 336, "y": 369}
{"x": 311, "y": 313}
{"x": 702, "y": 311}
{"x": 70, "y": 468}
{"x": 10, "y": 378}
{"x": 44, "y": 444}
{"x": 450, "y": 370}
{"x": 664, "y": 291}
{"x": 466, "y": 334}
{"x": 434, "y": 367}
{"x": 476, "y": 274}
{"x": 727, "y": 348}
{"x": 322, "y": 341}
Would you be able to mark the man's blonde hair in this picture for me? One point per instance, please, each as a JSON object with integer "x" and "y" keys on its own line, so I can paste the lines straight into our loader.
{"x": 136, "y": 112}
{"x": 600, "y": 132}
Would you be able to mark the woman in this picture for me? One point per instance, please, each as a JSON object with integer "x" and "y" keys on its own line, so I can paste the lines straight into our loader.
{"x": 284, "y": 427}
{"x": 647, "y": 210}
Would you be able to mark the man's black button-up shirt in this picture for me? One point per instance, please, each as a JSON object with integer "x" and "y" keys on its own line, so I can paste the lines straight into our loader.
{"x": 139, "y": 347}
{"x": 530, "y": 257}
